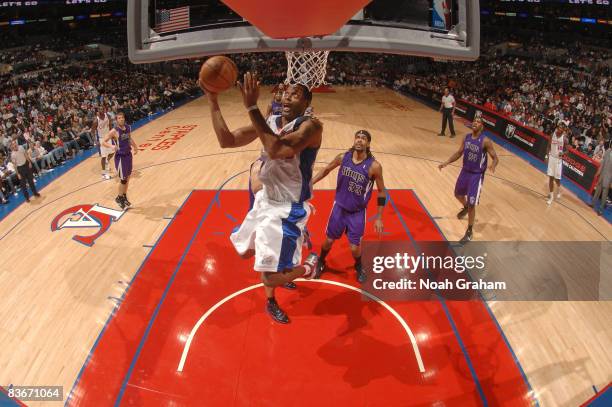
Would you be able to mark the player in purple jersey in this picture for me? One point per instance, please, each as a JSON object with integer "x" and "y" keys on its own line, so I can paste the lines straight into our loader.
{"x": 276, "y": 105}
{"x": 124, "y": 146}
{"x": 474, "y": 149}
{"x": 358, "y": 172}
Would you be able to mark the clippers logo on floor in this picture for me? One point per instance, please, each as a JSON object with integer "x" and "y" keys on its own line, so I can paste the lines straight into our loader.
{"x": 87, "y": 216}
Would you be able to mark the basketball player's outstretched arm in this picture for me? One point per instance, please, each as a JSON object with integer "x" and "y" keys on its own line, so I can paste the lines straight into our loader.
{"x": 488, "y": 144}
{"x": 323, "y": 173}
{"x": 376, "y": 173}
{"x": 457, "y": 155}
{"x": 308, "y": 134}
{"x": 228, "y": 139}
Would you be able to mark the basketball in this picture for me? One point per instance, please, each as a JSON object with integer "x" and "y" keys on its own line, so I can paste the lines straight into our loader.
{"x": 218, "y": 74}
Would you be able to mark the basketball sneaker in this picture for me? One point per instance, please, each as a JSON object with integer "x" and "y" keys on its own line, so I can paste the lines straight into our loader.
{"x": 361, "y": 275}
{"x": 467, "y": 237}
{"x": 276, "y": 312}
{"x": 120, "y": 202}
{"x": 128, "y": 203}
{"x": 462, "y": 213}
{"x": 320, "y": 268}
{"x": 310, "y": 264}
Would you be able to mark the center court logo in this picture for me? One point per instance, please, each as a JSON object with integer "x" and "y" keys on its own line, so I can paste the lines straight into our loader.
{"x": 86, "y": 216}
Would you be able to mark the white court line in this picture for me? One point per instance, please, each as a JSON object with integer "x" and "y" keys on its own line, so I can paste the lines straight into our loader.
{"x": 195, "y": 328}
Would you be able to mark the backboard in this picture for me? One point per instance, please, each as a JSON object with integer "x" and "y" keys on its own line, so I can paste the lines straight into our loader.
{"x": 161, "y": 30}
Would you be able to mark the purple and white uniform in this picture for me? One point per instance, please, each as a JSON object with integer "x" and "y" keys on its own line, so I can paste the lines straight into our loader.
{"x": 353, "y": 192}
{"x": 123, "y": 157}
{"x": 471, "y": 177}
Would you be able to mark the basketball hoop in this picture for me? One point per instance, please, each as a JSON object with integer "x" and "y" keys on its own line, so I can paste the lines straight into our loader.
{"x": 306, "y": 67}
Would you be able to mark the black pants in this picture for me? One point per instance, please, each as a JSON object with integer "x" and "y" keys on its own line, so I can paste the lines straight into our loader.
{"x": 447, "y": 115}
{"x": 25, "y": 175}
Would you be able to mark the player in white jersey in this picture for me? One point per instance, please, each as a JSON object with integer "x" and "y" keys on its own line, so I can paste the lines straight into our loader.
{"x": 102, "y": 125}
{"x": 556, "y": 146}
{"x": 272, "y": 231}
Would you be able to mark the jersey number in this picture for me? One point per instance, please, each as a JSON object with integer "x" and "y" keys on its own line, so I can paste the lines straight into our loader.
{"x": 353, "y": 187}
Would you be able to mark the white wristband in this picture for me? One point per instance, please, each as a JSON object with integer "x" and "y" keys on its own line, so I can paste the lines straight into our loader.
{"x": 254, "y": 107}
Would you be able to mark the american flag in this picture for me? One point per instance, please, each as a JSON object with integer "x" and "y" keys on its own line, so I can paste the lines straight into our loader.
{"x": 173, "y": 19}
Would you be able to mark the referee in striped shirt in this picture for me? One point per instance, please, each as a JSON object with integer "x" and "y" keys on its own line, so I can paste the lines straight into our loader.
{"x": 23, "y": 163}
{"x": 448, "y": 110}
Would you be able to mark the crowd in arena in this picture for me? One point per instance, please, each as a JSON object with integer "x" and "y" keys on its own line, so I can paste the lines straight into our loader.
{"x": 533, "y": 84}
{"x": 537, "y": 81}
{"x": 540, "y": 82}
{"x": 50, "y": 112}
{"x": 537, "y": 95}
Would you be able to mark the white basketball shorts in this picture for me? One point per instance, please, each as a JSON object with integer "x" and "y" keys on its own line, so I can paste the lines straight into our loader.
{"x": 275, "y": 230}
{"x": 555, "y": 167}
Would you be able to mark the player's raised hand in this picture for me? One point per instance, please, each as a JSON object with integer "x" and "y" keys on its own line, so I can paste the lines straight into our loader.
{"x": 249, "y": 89}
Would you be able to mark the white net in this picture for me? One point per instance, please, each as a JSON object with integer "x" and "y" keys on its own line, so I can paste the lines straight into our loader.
{"x": 308, "y": 67}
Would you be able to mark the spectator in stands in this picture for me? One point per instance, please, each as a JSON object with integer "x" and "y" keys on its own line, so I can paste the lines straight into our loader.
{"x": 35, "y": 158}
{"x": 41, "y": 156}
{"x": 490, "y": 105}
{"x": 7, "y": 173}
{"x": 600, "y": 149}
{"x": 58, "y": 147}
{"x": 83, "y": 134}
{"x": 70, "y": 144}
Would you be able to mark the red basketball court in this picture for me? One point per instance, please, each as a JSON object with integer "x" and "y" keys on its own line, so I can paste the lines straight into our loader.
{"x": 192, "y": 330}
